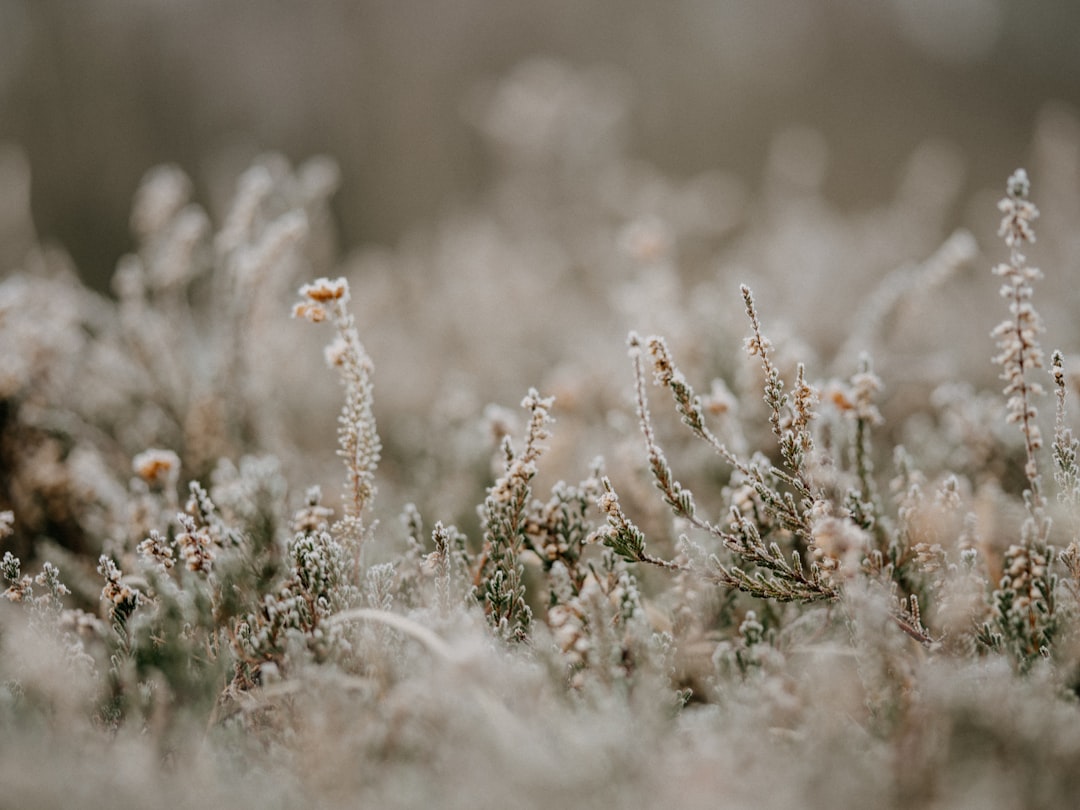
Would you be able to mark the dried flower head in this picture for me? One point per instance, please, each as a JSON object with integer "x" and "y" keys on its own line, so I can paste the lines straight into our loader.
{"x": 158, "y": 468}
{"x": 323, "y": 290}
{"x": 315, "y": 313}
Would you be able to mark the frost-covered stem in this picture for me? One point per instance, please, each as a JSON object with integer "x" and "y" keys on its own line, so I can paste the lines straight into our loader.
{"x": 358, "y": 439}
{"x": 500, "y": 573}
{"x": 793, "y": 442}
{"x": 687, "y": 403}
{"x": 758, "y": 345}
{"x": 621, "y": 535}
{"x": 865, "y": 417}
{"x": 357, "y": 436}
{"x": 1018, "y": 335}
{"x": 1025, "y": 602}
{"x": 680, "y": 499}
{"x": 865, "y": 385}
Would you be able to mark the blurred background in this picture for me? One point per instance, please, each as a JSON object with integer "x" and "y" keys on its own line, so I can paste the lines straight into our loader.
{"x": 97, "y": 92}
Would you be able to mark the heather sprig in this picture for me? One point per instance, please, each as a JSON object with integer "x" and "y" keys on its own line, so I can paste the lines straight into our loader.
{"x": 1025, "y": 616}
{"x": 449, "y": 566}
{"x": 21, "y": 586}
{"x": 792, "y": 431}
{"x": 291, "y": 617}
{"x": 620, "y": 534}
{"x": 827, "y": 543}
{"x": 1018, "y": 336}
{"x": 771, "y": 485}
{"x": 358, "y": 439}
{"x": 503, "y": 516}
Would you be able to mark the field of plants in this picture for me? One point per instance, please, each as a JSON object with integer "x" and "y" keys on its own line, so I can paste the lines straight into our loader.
{"x": 607, "y": 488}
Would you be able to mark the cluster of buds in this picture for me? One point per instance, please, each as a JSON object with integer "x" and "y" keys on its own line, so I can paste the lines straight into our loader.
{"x": 1024, "y": 568}
{"x": 312, "y": 516}
{"x": 521, "y": 469}
{"x": 1070, "y": 558}
{"x": 196, "y": 545}
{"x": 116, "y": 592}
{"x": 1018, "y": 211}
{"x": 549, "y": 543}
{"x": 1018, "y": 335}
{"x": 22, "y": 585}
{"x": 157, "y": 548}
{"x": 931, "y": 557}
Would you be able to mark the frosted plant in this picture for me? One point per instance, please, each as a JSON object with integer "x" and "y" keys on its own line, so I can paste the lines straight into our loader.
{"x": 158, "y": 468}
{"x": 42, "y": 598}
{"x": 559, "y": 529}
{"x": 196, "y": 545}
{"x": 292, "y": 618}
{"x": 503, "y": 517}
{"x": 358, "y": 440}
{"x": 789, "y": 580}
{"x": 829, "y": 537}
{"x": 450, "y": 565}
{"x": 1018, "y": 337}
{"x": 1025, "y": 602}
{"x": 21, "y": 586}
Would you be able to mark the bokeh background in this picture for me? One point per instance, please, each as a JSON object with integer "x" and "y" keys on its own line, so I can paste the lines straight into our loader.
{"x": 96, "y": 92}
